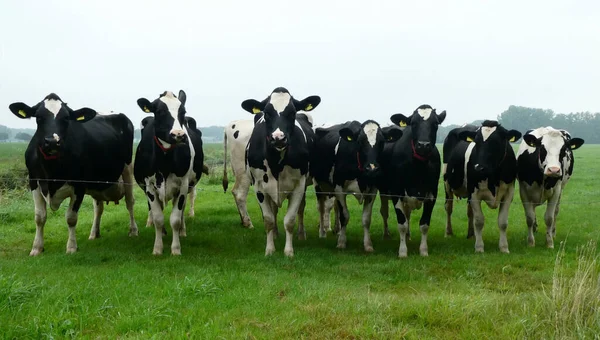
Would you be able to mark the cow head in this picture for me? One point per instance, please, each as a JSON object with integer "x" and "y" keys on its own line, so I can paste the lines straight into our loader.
{"x": 53, "y": 118}
{"x": 552, "y": 146}
{"x": 369, "y": 140}
{"x": 491, "y": 143}
{"x": 169, "y": 117}
{"x": 424, "y": 124}
{"x": 279, "y": 115}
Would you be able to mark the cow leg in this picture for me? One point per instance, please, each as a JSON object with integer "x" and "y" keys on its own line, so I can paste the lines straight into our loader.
{"x": 402, "y": 226}
{"x": 384, "y": 210}
{"x": 192, "y": 198}
{"x": 158, "y": 219}
{"x": 98, "y": 209}
{"x": 556, "y": 215}
{"x": 71, "y": 217}
{"x": 176, "y": 220}
{"x": 503, "y": 218}
{"x": 448, "y": 206}
{"x": 40, "y": 221}
{"x": 289, "y": 221}
{"x": 478, "y": 221}
{"x": 324, "y": 219}
{"x": 269, "y": 219}
{"x": 366, "y": 220}
{"x": 424, "y": 225}
{"x": 336, "y": 213}
{"x": 470, "y": 226}
{"x": 549, "y": 218}
{"x": 344, "y": 218}
{"x": 529, "y": 208}
{"x": 301, "y": 231}
{"x": 240, "y": 194}
{"x": 128, "y": 184}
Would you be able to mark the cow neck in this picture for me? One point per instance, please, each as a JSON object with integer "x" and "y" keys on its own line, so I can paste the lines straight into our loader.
{"x": 47, "y": 157}
{"x": 415, "y": 154}
{"x": 162, "y": 147}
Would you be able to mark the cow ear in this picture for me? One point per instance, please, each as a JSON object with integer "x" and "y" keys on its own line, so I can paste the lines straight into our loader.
{"x": 441, "y": 117}
{"x": 253, "y": 106}
{"x": 21, "y": 110}
{"x": 308, "y": 103}
{"x": 467, "y": 136}
{"x": 392, "y": 135}
{"x": 182, "y": 97}
{"x": 347, "y": 134}
{"x": 400, "y": 120}
{"x": 145, "y": 105}
{"x": 82, "y": 115}
{"x": 575, "y": 143}
{"x": 513, "y": 136}
{"x": 531, "y": 140}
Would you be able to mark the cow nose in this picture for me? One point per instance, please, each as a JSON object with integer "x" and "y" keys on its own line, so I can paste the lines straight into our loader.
{"x": 553, "y": 171}
{"x": 50, "y": 142}
{"x": 423, "y": 145}
{"x": 177, "y": 135}
{"x": 278, "y": 135}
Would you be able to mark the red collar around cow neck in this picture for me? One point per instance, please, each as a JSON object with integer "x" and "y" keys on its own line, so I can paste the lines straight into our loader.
{"x": 360, "y": 167}
{"x": 47, "y": 157}
{"x": 415, "y": 154}
{"x": 162, "y": 146}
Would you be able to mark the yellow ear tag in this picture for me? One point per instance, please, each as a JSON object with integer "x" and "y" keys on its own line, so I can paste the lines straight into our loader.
{"x": 402, "y": 123}
{"x": 255, "y": 110}
{"x": 22, "y": 113}
{"x": 308, "y": 107}
{"x": 146, "y": 110}
{"x": 469, "y": 139}
{"x": 512, "y": 139}
{"x": 349, "y": 138}
{"x": 573, "y": 146}
{"x": 80, "y": 118}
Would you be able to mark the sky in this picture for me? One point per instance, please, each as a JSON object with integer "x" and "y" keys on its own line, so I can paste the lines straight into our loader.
{"x": 365, "y": 59}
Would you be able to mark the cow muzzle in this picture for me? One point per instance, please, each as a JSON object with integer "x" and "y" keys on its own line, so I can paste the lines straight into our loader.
{"x": 553, "y": 171}
{"x": 178, "y": 136}
{"x": 279, "y": 144}
{"x": 423, "y": 148}
{"x": 51, "y": 145}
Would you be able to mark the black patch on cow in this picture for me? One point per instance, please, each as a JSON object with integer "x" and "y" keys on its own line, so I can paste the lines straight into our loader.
{"x": 343, "y": 220}
{"x": 236, "y": 134}
{"x": 159, "y": 179}
{"x": 181, "y": 202}
{"x": 260, "y": 196}
{"x": 150, "y": 196}
{"x": 149, "y": 207}
{"x": 233, "y": 126}
{"x": 490, "y": 123}
{"x": 265, "y": 178}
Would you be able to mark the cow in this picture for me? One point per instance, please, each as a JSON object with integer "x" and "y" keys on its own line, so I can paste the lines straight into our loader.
{"x": 545, "y": 164}
{"x": 411, "y": 170}
{"x": 192, "y": 189}
{"x": 277, "y": 157}
{"x": 480, "y": 165}
{"x": 168, "y": 162}
{"x": 346, "y": 159}
{"x": 74, "y": 153}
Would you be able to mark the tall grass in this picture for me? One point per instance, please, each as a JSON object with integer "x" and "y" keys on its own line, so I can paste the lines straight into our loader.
{"x": 572, "y": 308}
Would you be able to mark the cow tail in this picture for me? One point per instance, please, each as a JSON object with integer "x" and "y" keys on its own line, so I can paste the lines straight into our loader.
{"x": 225, "y": 180}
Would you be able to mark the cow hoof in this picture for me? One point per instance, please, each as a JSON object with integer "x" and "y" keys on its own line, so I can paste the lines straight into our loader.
{"x": 302, "y": 236}
{"x": 479, "y": 250}
{"x": 424, "y": 253}
{"x": 504, "y": 251}
{"x": 448, "y": 235}
{"x": 402, "y": 254}
{"x": 176, "y": 251}
{"x": 157, "y": 251}
{"x": 71, "y": 250}
{"x": 183, "y": 233}
{"x": 35, "y": 252}
{"x": 550, "y": 246}
{"x": 387, "y": 236}
{"x": 192, "y": 214}
{"x": 93, "y": 236}
{"x": 289, "y": 252}
{"x": 133, "y": 233}
{"x": 341, "y": 246}
{"x": 531, "y": 244}
{"x": 369, "y": 249}
{"x": 322, "y": 234}
{"x": 269, "y": 251}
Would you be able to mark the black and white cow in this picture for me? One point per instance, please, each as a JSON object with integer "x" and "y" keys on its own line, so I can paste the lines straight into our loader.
{"x": 277, "y": 157}
{"x": 412, "y": 171}
{"x": 545, "y": 165}
{"x": 168, "y": 162}
{"x": 74, "y": 153}
{"x": 346, "y": 159}
{"x": 385, "y": 199}
{"x": 481, "y": 165}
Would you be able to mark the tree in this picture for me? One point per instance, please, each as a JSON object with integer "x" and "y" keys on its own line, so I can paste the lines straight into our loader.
{"x": 3, "y": 135}
{"x": 23, "y": 136}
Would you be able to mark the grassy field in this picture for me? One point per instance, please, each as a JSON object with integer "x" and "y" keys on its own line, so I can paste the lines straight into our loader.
{"x": 224, "y": 287}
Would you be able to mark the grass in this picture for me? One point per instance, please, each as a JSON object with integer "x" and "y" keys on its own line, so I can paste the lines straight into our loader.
{"x": 224, "y": 287}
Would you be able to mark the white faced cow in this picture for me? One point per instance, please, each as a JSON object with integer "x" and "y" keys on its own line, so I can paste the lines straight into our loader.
{"x": 545, "y": 165}
{"x": 278, "y": 156}
{"x": 347, "y": 159}
{"x": 74, "y": 153}
{"x": 480, "y": 164}
{"x": 168, "y": 162}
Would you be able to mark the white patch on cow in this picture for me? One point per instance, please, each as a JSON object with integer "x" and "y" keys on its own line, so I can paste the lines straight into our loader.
{"x": 486, "y": 132}
{"x": 425, "y": 113}
{"x": 280, "y": 100}
{"x": 337, "y": 146}
{"x": 371, "y": 132}
{"x": 351, "y": 187}
{"x": 59, "y": 196}
{"x": 56, "y": 138}
{"x": 467, "y": 157}
{"x": 173, "y": 105}
{"x": 278, "y": 134}
{"x": 53, "y": 105}
{"x": 300, "y": 127}
{"x": 552, "y": 141}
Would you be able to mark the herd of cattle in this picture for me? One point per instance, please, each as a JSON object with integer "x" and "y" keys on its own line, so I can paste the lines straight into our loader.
{"x": 281, "y": 152}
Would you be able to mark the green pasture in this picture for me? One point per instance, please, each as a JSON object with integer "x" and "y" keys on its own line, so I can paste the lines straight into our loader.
{"x": 224, "y": 287}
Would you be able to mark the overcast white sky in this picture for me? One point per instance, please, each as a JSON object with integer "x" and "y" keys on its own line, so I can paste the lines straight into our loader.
{"x": 366, "y": 59}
